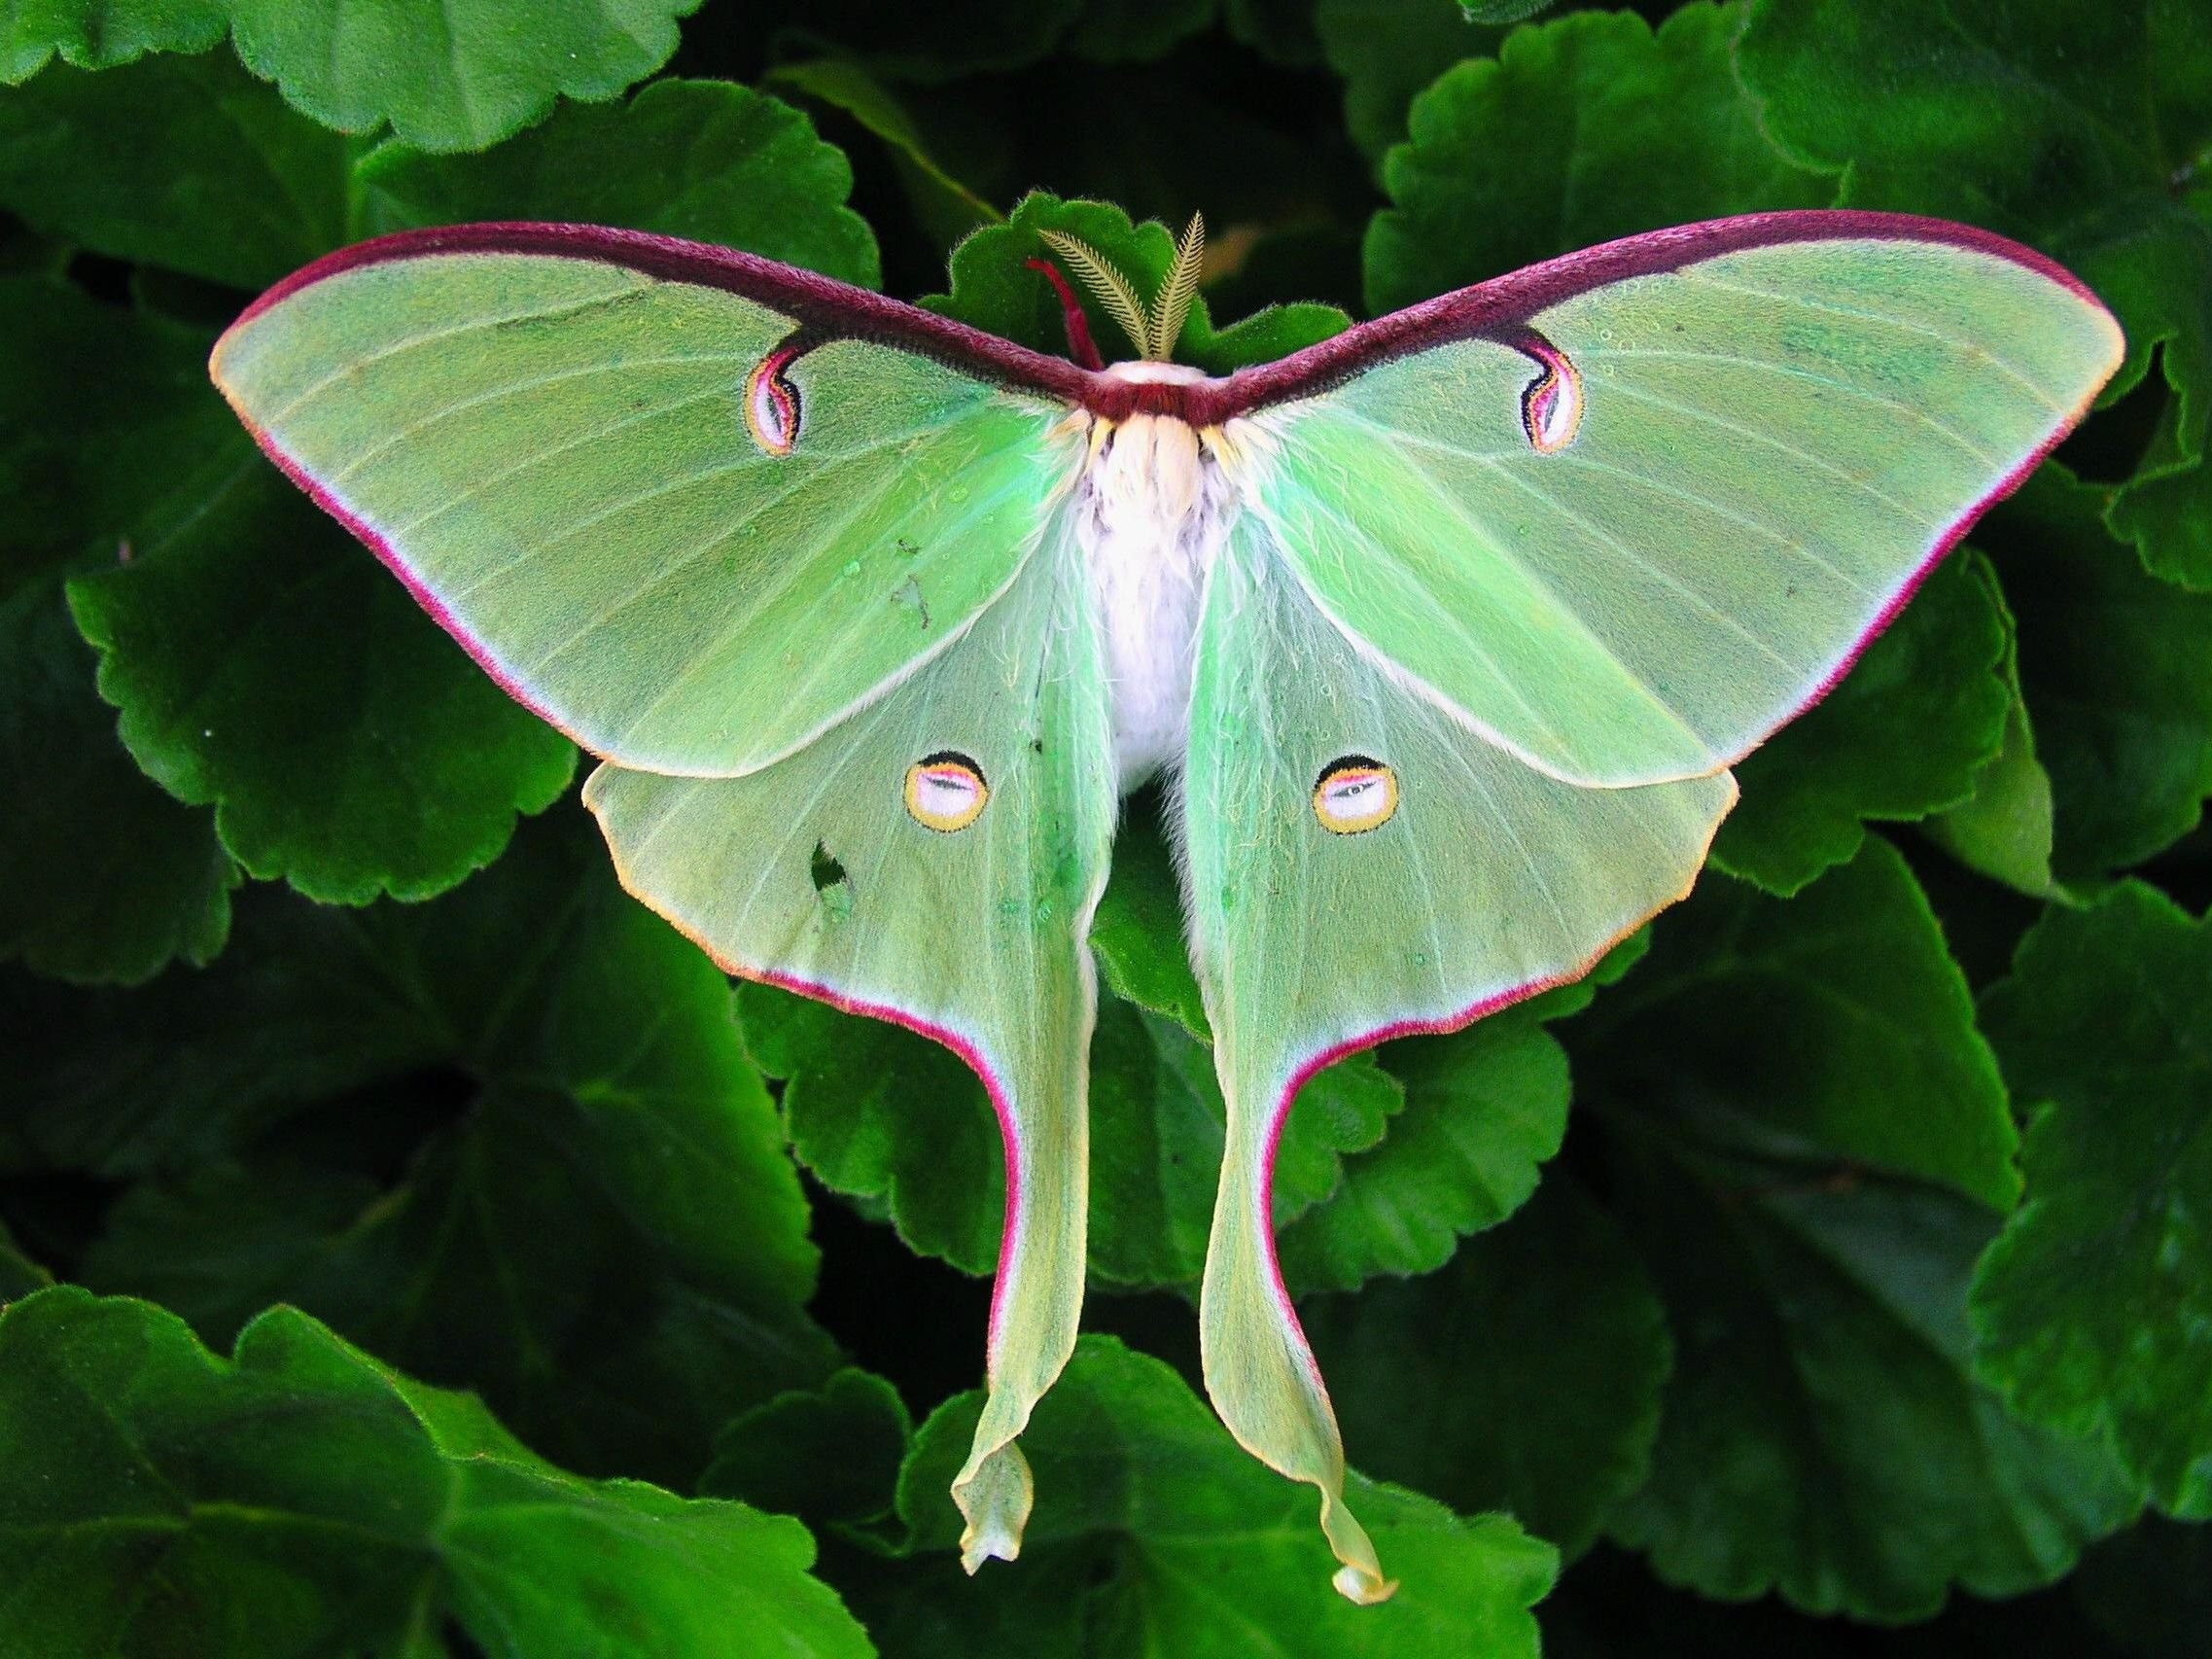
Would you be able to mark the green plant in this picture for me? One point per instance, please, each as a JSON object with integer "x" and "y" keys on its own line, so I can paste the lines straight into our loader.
{"x": 1868, "y": 1273}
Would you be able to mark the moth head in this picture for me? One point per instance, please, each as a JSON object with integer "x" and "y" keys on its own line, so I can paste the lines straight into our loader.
{"x": 1152, "y": 328}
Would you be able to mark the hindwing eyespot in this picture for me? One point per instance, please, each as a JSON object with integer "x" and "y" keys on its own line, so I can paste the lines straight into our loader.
{"x": 946, "y": 791}
{"x": 1354, "y": 794}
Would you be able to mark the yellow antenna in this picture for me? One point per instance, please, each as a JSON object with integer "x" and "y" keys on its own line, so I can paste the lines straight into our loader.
{"x": 1108, "y": 284}
{"x": 1154, "y": 329}
{"x": 1176, "y": 294}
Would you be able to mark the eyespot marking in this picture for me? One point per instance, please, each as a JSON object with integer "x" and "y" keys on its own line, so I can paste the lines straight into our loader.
{"x": 945, "y": 791}
{"x": 1551, "y": 405}
{"x": 772, "y": 402}
{"x": 1354, "y": 794}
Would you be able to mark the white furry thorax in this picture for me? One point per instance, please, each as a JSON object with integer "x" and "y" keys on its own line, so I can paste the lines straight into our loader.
{"x": 1152, "y": 506}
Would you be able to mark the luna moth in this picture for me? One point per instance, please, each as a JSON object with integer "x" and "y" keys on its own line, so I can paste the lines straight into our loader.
{"x": 1445, "y": 631}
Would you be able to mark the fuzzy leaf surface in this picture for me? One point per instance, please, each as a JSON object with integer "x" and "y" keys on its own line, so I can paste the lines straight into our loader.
{"x": 1807, "y": 1140}
{"x": 453, "y": 74}
{"x": 1155, "y": 1533}
{"x": 2039, "y": 121}
{"x": 2093, "y": 1310}
{"x": 508, "y": 1138}
{"x": 1524, "y": 1375}
{"x": 299, "y": 1497}
{"x": 103, "y": 876}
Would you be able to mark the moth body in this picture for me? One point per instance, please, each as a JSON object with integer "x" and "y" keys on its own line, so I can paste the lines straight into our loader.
{"x": 1152, "y": 506}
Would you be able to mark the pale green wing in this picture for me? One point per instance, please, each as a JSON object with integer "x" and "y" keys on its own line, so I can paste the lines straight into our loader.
{"x": 689, "y": 526}
{"x": 1438, "y": 878}
{"x": 1633, "y": 542}
{"x": 822, "y": 872}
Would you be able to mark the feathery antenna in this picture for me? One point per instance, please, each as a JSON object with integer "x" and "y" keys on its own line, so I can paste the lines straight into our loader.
{"x": 1172, "y": 305}
{"x": 1154, "y": 329}
{"x": 1108, "y": 284}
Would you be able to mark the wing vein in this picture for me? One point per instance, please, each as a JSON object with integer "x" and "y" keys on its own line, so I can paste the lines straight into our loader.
{"x": 492, "y": 481}
{"x": 669, "y": 486}
{"x": 1785, "y": 543}
{"x": 1845, "y": 386}
{"x": 582, "y": 371}
{"x": 1958, "y": 344}
{"x": 432, "y": 336}
{"x": 1736, "y": 429}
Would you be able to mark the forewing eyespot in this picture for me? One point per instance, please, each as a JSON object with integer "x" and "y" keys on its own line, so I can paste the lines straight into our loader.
{"x": 1551, "y": 405}
{"x": 1354, "y": 794}
{"x": 772, "y": 403}
{"x": 946, "y": 791}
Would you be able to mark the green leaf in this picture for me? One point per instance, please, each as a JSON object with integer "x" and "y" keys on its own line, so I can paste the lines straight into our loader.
{"x": 450, "y": 74}
{"x": 1609, "y": 1605}
{"x": 2159, "y": 281}
{"x": 1385, "y": 50}
{"x": 1501, "y": 11}
{"x": 1281, "y": 31}
{"x": 194, "y": 1065}
{"x": 993, "y": 290}
{"x": 1138, "y": 932}
{"x": 170, "y": 476}
{"x": 1158, "y": 1136}
{"x": 830, "y": 1456}
{"x": 1832, "y": 1031}
{"x": 901, "y": 1124}
{"x": 887, "y": 1116}
{"x": 99, "y": 34}
{"x": 263, "y": 665}
{"x": 706, "y": 160}
{"x": 1156, "y": 1142}
{"x": 2034, "y": 120}
{"x": 1482, "y": 1110}
{"x": 188, "y": 162}
{"x": 1906, "y": 733}
{"x": 299, "y": 1498}
{"x": 103, "y": 877}
{"x": 1154, "y": 1534}
{"x": 1786, "y": 1091}
{"x": 930, "y": 44}
{"x": 1581, "y": 129}
{"x": 1138, "y": 31}
{"x": 508, "y": 1138}
{"x": 2093, "y": 1310}
{"x": 1524, "y": 1376}
{"x": 948, "y": 207}
{"x": 1823, "y": 1434}
{"x": 2004, "y": 829}
{"x": 2117, "y": 671}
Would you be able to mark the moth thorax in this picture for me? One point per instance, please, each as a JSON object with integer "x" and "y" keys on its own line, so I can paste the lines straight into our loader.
{"x": 1151, "y": 520}
{"x": 1147, "y": 372}
{"x": 1149, "y": 471}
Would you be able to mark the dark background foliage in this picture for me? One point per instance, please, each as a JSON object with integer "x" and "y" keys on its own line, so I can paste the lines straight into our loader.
{"x": 1861, "y": 1303}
